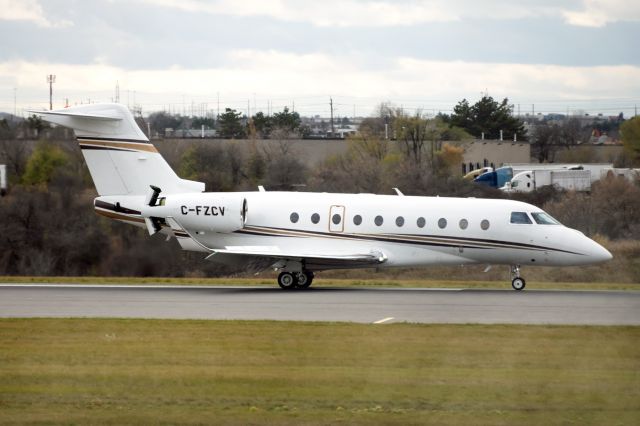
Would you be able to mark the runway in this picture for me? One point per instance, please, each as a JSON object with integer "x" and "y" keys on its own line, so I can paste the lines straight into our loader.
{"x": 323, "y": 304}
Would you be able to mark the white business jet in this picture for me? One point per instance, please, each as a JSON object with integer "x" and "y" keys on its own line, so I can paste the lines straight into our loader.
{"x": 300, "y": 233}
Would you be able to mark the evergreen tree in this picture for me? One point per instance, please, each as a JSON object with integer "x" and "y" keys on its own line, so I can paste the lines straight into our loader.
{"x": 489, "y": 117}
{"x": 230, "y": 124}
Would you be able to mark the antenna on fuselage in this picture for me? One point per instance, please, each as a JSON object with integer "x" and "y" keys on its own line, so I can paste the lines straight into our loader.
{"x": 398, "y": 192}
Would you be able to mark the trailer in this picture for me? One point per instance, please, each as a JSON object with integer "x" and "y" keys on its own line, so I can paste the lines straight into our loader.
{"x": 501, "y": 176}
{"x": 531, "y": 180}
{"x": 632, "y": 175}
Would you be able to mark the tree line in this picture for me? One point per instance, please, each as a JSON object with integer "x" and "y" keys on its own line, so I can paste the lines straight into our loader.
{"x": 48, "y": 226}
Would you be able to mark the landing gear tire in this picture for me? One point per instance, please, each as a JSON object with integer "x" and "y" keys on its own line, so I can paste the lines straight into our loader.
{"x": 518, "y": 283}
{"x": 287, "y": 281}
{"x": 304, "y": 279}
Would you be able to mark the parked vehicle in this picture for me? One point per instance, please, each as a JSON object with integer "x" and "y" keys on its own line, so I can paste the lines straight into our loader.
{"x": 477, "y": 172}
{"x": 499, "y": 177}
{"x": 530, "y": 180}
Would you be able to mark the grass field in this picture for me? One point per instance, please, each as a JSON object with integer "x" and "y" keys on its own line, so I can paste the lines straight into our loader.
{"x": 324, "y": 282}
{"x": 79, "y": 371}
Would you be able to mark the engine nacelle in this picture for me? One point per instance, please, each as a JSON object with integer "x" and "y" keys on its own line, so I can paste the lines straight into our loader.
{"x": 212, "y": 211}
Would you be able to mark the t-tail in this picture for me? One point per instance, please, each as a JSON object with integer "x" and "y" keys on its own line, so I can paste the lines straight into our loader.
{"x": 121, "y": 160}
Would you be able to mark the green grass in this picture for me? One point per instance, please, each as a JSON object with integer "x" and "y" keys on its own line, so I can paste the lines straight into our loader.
{"x": 80, "y": 371}
{"x": 322, "y": 282}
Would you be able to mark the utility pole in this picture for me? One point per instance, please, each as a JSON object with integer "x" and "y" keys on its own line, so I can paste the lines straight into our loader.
{"x": 117, "y": 99}
{"x": 332, "y": 127}
{"x": 51, "y": 78}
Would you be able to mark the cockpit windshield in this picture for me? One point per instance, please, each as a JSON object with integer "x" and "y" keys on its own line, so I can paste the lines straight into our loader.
{"x": 543, "y": 218}
{"x": 520, "y": 218}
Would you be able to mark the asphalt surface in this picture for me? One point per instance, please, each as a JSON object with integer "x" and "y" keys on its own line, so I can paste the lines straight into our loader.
{"x": 323, "y": 304}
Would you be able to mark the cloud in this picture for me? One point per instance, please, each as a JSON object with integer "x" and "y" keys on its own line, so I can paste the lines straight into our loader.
{"x": 385, "y": 13}
{"x": 28, "y": 10}
{"x": 364, "y": 13}
{"x": 598, "y": 13}
{"x": 274, "y": 74}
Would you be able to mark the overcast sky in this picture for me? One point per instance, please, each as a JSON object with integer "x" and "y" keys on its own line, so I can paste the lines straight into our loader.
{"x": 561, "y": 55}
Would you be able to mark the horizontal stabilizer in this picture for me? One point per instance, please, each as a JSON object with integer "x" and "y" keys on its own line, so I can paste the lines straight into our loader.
{"x": 97, "y": 120}
{"x": 76, "y": 115}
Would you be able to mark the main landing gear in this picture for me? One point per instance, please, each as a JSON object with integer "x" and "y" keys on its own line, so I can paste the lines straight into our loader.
{"x": 517, "y": 283}
{"x": 295, "y": 280}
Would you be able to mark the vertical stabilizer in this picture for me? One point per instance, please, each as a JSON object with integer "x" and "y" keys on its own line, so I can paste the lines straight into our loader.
{"x": 120, "y": 158}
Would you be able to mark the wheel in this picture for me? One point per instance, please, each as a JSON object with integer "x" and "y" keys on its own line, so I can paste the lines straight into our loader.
{"x": 518, "y": 283}
{"x": 304, "y": 279}
{"x": 287, "y": 281}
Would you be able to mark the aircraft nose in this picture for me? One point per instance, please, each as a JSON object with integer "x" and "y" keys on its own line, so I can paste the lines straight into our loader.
{"x": 599, "y": 253}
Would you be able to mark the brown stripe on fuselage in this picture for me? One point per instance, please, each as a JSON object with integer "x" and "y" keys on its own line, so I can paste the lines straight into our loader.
{"x": 134, "y": 146}
{"x": 113, "y": 215}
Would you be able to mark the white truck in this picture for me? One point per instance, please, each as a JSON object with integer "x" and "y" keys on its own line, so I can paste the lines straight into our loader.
{"x": 3, "y": 180}
{"x": 530, "y": 180}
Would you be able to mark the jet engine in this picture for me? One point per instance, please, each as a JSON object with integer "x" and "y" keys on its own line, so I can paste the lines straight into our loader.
{"x": 198, "y": 212}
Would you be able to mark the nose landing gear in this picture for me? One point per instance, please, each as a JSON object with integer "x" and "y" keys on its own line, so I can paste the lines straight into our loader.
{"x": 517, "y": 282}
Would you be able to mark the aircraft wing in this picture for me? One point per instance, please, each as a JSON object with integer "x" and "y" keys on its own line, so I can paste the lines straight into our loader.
{"x": 258, "y": 258}
{"x": 272, "y": 256}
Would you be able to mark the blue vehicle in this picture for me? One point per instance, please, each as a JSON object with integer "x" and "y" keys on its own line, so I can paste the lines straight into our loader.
{"x": 497, "y": 178}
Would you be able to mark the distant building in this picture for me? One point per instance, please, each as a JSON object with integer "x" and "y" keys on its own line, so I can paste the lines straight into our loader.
{"x": 190, "y": 133}
{"x": 480, "y": 153}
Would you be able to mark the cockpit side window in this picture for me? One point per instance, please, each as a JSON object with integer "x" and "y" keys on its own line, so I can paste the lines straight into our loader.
{"x": 520, "y": 218}
{"x": 542, "y": 218}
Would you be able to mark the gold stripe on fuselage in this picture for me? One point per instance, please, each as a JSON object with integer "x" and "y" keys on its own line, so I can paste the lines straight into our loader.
{"x": 135, "y": 146}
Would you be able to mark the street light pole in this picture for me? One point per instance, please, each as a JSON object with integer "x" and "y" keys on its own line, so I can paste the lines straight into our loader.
{"x": 51, "y": 78}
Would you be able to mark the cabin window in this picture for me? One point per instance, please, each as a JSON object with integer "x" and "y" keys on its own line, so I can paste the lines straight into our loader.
{"x": 442, "y": 223}
{"x": 294, "y": 217}
{"x": 336, "y": 218}
{"x": 357, "y": 219}
{"x": 542, "y": 218}
{"x": 315, "y": 218}
{"x": 421, "y": 222}
{"x": 520, "y": 218}
{"x": 463, "y": 223}
{"x": 484, "y": 224}
{"x": 399, "y": 221}
{"x": 378, "y": 220}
